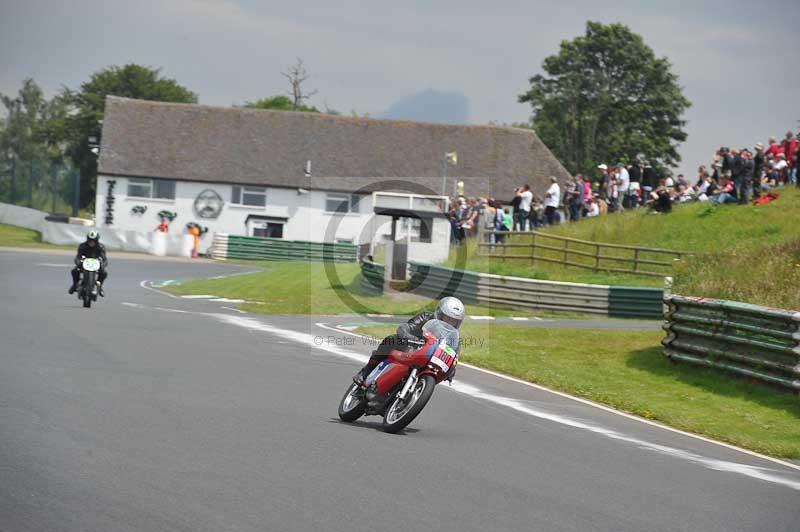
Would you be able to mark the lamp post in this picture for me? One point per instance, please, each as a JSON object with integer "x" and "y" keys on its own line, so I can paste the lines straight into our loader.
{"x": 451, "y": 158}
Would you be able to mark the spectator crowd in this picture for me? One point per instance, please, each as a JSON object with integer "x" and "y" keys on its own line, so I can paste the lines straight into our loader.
{"x": 732, "y": 176}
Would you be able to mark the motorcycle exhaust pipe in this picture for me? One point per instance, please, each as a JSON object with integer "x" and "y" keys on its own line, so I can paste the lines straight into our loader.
{"x": 409, "y": 385}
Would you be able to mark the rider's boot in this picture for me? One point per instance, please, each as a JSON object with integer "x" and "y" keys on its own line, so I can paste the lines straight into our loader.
{"x": 72, "y": 288}
{"x": 100, "y": 290}
{"x": 362, "y": 374}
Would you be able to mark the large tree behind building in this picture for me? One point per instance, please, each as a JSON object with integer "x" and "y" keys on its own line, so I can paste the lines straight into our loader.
{"x": 605, "y": 97}
{"x": 130, "y": 81}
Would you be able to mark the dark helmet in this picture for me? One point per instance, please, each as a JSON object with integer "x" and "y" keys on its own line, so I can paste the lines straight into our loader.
{"x": 93, "y": 236}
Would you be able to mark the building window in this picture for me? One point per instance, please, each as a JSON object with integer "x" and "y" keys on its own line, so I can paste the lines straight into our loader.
{"x": 249, "y": 196}
{"x": 342, "y": 203}
{"x": 139, "y": 188}
{"x": 421, "y": 230}
{"x": 151, "y": 188}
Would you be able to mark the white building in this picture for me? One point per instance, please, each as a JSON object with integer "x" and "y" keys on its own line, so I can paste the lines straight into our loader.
{"x": 297, "y": 176}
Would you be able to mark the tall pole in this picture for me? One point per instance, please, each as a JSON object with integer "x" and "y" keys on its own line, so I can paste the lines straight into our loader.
{"x": 30, "y": 183}
{"x": 77, "y": 196}
{"x": 444, "y": 175}
{"x": 53, "y": 184}
{"x": 13, "y": 195}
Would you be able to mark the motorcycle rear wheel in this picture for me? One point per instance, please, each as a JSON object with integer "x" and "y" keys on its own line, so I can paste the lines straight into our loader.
{"x": 352, "y": 406}
{"x": 400, "y": 413}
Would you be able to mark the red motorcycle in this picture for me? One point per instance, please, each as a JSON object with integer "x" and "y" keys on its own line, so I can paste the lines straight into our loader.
{"x": 401, "y": 385}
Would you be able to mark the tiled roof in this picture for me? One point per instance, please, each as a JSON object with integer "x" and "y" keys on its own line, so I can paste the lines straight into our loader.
{"x": 258, "y": 147}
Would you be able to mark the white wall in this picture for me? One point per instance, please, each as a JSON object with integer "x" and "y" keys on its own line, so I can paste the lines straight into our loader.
{"x": 307, "y": 219}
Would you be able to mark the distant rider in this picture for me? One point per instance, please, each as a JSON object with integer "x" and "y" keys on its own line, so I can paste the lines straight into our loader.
{"x": 449, "y": 310}
{"x": 92, "y": 248}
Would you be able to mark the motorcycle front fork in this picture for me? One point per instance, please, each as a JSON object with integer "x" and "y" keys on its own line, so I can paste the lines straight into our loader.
{"x": 411, "y": 382}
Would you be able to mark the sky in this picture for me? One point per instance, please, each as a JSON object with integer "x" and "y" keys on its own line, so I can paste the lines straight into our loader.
{"x": 459, "y": 61}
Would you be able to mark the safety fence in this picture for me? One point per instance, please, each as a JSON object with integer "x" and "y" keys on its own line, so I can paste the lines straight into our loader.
{"x": 535, "y": 246}
{"x": 753, "y": 341}
{"x": 372, "y": 277}
{"x": 226, "y": 246}
{"x": 521, "y": 293}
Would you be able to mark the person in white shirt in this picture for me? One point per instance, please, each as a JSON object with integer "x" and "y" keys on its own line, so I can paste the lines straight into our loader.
{"x": 525, "y": 198}
{"x": 552, "y": 199}
{"x": 623, "y": 185}
{"x": 594, "y": 209}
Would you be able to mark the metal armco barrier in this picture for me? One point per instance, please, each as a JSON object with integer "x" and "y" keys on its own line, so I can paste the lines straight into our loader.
{"x": 750, "y": 340}
{"x": 372, "y": 277}
{"x": 521, "y": 293}
{"x": 242, "y": 247}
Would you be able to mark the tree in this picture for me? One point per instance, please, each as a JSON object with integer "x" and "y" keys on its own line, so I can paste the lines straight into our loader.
{"x": 83, "y": 128}
{"x": 297, "y": 75}
{"x": 22, "y": 139}
{"x": 280, "y": 103}
{"x": 607, "y": 97}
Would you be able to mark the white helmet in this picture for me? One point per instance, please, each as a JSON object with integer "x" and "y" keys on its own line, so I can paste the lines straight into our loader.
{"x": 93, "y": 235}
{"x": 450, "y": 310}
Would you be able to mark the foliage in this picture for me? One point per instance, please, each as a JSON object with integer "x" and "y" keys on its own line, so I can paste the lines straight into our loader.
{"x": 30, "y": 141}
{"x": 130, "y": 81}
{"x": 627, "y": 371}
{"x": 280, "y": 103}
{"x": 606, "y": 97}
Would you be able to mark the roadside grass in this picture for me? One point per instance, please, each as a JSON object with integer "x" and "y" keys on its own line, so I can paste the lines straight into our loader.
{"x": 313, "y": 288}
{"x": 19, "y": 237}
{"x": 747, "y": 253}
{"x": 627, "y": 371}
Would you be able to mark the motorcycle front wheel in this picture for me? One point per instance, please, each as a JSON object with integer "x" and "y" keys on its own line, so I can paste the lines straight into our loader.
{"x": 353, "y": 404}
{"x": 400, "y": 413}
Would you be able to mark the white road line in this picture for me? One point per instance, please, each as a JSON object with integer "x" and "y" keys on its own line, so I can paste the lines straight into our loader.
{"x": 713, "y": 464}
{"x": 479, "y": 318}
{"x": 380, "y": 315}
{"x": 235, "y": 310}
{"x": 537, "y": 318}
{"x": 606, "y": 409}
{"x": 226, "y": 300}
{"x": 199, "y": 296}
{"x": 515, "y": 318}
{"x": 134, "y": 305}
{"x": 146, "y": 286}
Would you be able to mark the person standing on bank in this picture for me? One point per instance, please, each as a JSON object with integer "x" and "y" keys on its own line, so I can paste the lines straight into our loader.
{"x": 525, "y": 198}
{"x": 552, "y": 199}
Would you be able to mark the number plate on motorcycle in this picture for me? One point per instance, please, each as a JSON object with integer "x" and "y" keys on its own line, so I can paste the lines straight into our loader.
{"x": 443, "y": 357}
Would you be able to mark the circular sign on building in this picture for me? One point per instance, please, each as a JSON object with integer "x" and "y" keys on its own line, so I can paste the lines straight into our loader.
{"x": 208, "y": 204}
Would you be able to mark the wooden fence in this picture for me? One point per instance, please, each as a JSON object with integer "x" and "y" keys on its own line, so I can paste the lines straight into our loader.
{"x": 597, "y": 256}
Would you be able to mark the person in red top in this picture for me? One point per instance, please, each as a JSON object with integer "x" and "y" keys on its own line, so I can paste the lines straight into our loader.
{"x": 774, "y": 148}
{"x": 790, "y": 148}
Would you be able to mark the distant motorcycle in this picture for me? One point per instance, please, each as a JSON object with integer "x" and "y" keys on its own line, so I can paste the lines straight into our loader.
{"x": 400, "y": 386}
{"x": 87, "y": 286}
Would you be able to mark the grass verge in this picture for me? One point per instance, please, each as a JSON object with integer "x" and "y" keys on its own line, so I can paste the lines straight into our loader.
{"x": 746, "y": 253}
{"x": 20, "y": 237}
{"x": 313, "y": 288}
{"x": 627, "y": 371}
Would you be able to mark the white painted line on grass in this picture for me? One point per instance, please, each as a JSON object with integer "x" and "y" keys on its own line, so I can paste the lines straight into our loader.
{"x": 146, "y": 286}
{"x": 199, "y": 296}
{"x": 226, "y": 300}
{"x": 380, "y": 315}
{"x": 537, "y": 318}
{"x": 481, "y": 318}
{"x": 515, "y": 318}
{"x": 607, "y": 409}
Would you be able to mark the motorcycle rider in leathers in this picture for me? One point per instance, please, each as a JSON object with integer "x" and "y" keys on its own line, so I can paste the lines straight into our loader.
{"x": 91, "y": 248}
{"x": 449, "y": 310}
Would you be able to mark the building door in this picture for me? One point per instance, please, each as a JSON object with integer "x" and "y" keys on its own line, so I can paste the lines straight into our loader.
{"x": 268, "y": 229}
